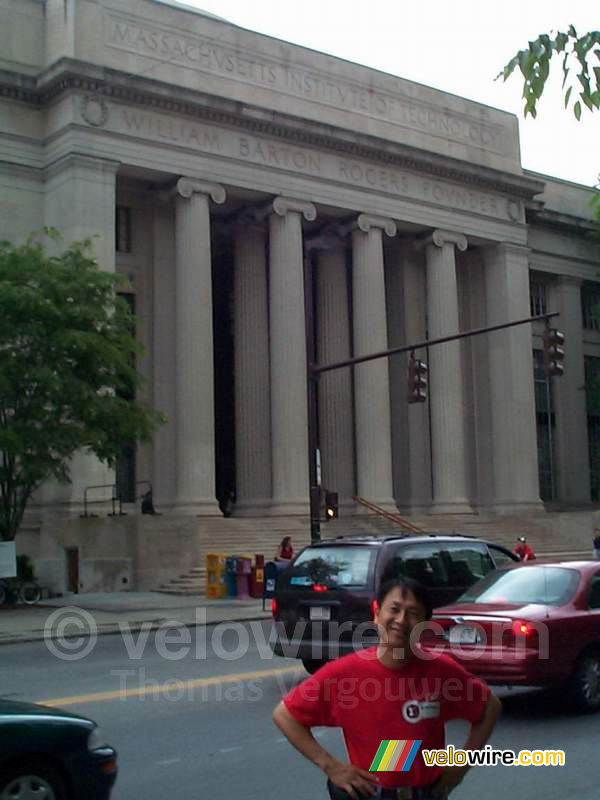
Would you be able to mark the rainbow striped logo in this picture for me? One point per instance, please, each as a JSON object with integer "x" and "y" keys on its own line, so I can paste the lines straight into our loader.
{"x": 395, "y": 755}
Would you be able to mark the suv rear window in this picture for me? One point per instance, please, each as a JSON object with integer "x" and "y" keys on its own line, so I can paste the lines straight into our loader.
{"x": 438, "y": 565}
{"x": 336, "y": 567}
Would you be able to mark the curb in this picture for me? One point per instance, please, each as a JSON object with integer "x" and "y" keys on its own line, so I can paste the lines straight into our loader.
{"x": 111, "y": 629}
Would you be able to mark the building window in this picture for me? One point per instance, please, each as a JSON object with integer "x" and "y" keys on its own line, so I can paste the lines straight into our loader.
{"x": 592, "y": 397}
{"x": 590, "y": 307}
{"x": 123, "y": 229}
{"x": 538, "y": 297}
{"x": 546, "y": 429}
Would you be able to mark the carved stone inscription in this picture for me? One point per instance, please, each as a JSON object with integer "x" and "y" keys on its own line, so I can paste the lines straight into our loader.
{"x": 207, "y": 55}
{"x": 276, "y": 155}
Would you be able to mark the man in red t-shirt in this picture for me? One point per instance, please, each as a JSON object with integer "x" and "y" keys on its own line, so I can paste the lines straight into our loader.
{"x": 395, "y": 691}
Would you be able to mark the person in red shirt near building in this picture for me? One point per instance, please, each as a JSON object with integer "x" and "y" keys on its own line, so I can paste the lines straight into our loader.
{"x": 523, "y": 550}
{"x": 394, "y": 691}
{"x": 285, "y": 551}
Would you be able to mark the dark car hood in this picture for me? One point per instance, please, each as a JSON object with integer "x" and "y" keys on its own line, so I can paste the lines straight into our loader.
{"x": 512, "y": 610}
{"x": 17, "y": 708}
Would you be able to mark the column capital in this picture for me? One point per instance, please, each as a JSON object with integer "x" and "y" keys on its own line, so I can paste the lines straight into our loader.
{"x": 186, "y": 187}
{"x": 365, "y": 222}
{"x": 282, "y": 205}
{"x": 440, "y": 237}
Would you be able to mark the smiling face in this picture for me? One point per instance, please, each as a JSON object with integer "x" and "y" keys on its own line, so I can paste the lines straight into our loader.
{"x": 399, "y": 614}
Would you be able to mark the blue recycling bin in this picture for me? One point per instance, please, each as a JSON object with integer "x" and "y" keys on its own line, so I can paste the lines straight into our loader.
{"x": 231, "y": 576}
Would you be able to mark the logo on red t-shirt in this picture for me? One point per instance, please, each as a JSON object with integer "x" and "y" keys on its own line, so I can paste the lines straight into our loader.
{"x": 416, "y": 710}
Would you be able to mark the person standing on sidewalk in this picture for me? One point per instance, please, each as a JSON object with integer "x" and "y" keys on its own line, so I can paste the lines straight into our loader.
{"x": 596, "y": 544}
{"x": 394, "y": 691}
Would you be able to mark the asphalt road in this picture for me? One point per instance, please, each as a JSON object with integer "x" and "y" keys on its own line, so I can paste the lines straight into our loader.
{"x": 196, "y": 724}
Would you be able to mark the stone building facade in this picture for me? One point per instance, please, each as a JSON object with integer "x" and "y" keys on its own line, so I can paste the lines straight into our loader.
{"x": 213, "y": 165}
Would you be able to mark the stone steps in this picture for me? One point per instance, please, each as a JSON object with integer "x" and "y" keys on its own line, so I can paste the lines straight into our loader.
{"x": 556, "y": 534}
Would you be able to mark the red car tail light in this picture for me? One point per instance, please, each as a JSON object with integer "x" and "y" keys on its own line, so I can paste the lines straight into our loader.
{"x": 522, "y": 628}
{"x": 374, "y": 607}
{"x": 274, "y": 608}
{"x": 319, "y": 587}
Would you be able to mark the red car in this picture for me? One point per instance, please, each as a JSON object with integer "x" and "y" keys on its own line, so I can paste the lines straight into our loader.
{"x": 535, "y": 624}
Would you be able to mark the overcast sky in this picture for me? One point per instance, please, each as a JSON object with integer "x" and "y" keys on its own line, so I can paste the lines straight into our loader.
{"x": 457, "y": 46}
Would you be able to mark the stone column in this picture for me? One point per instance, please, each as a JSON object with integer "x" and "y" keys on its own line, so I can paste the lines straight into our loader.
{"x": 194, "y": 397}
{"x": 449, "y": 469}
{"x": 80, "y": 202}
{"x": 513, "y": 425}
{"x": 405, "y": 283}
{"x": 289, "y": 412}
{"x": 569, "y": 397}
{"x": 163, "y": 353}
{"x": 251, "y": 370}
{"x": 336, "y": 434}
{"x": 371, "y": 379}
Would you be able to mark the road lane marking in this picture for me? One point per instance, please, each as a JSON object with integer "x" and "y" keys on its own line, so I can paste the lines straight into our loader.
{"x": 167, "y": 762}
{"x": 167, "y": 687}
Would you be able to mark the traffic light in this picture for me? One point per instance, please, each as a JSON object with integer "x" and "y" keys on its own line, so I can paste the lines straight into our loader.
{"x": 417, "y": 380}
{"x": 554, "y": 352}
{"x": 331, "y": 505}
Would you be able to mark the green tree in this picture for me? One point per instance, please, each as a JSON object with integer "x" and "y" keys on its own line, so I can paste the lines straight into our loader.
{"x": 580, "y": 68}
{"x": 67, "y": 360}
{"x": 580, "y": 56}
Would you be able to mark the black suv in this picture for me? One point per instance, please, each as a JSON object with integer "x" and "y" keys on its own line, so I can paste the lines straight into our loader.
{"x": 325, "y": 600}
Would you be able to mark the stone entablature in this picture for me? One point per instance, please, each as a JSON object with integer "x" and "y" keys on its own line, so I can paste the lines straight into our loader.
{"x": 179, "y": 47}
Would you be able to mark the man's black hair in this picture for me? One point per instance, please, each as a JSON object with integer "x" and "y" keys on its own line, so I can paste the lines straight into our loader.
{"x": 392, "y": 578}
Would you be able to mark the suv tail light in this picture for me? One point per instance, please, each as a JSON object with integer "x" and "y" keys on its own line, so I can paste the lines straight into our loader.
{"x": 374, "y": 607}
{"x": 274, "y": 608}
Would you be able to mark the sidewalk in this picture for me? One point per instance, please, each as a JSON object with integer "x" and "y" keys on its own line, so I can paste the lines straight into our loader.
{"x": 77, "y": 615}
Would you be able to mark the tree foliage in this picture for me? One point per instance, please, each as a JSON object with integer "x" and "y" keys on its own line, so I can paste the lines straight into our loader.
{"x": 580, "y": 68}
{"x": 67, "y": 365}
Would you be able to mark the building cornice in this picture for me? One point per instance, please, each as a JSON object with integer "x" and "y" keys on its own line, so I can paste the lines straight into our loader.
{"x": 563, "y": 222}
{"x": 69, "y": 75}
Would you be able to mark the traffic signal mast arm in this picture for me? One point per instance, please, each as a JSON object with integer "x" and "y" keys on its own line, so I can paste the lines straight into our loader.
{"x": 316, "y": 369}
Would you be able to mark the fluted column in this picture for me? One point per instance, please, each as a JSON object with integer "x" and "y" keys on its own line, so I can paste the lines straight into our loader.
{"x": 371, "y": 379}
{"x": 195, "y": 425}
{"x": 513, "y": 425}
{"x": 252, "y": 392}
{"x": 570, "y": 400}
{"x": 164, "y": 444}
{"x": 336, "y": 438}
{"x": 449, "y": 469}
{"x": 289, "y": 412}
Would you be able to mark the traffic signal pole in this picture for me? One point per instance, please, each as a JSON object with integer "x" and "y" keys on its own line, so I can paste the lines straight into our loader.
{"x": 314, "y": 371}
{"x": 317, "y": 369}
{"x": 312, "y": 385}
